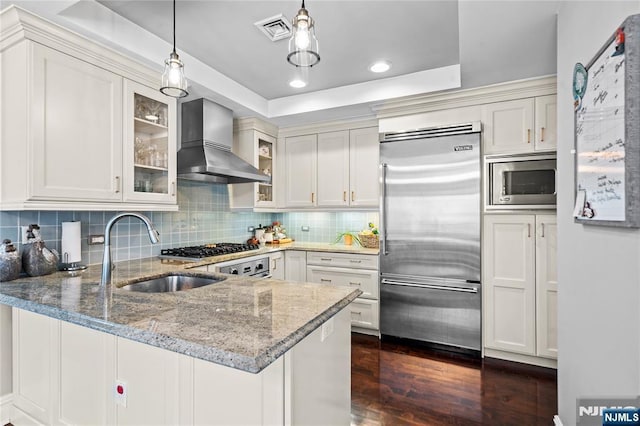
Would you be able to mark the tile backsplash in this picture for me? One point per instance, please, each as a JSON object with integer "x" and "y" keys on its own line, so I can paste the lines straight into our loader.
{"x": 204, "y": 217}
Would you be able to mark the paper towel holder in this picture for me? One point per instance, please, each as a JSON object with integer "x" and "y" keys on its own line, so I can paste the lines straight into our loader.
{"x": 70, "y": 266}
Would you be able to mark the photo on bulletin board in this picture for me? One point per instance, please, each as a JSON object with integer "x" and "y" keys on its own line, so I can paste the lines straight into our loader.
{"x": 607, "y": 132}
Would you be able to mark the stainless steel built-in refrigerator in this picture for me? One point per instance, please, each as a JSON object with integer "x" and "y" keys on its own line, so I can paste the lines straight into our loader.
{"x": 430, "y": 235}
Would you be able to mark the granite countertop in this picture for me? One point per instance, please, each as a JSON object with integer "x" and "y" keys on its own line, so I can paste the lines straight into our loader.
{"x": 270, "y": 248}
{"x": 244, "y": 323}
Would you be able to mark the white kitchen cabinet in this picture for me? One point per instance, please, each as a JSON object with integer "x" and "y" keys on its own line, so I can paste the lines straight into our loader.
{"x": 364, "y": 159}
{"x": 546, "y": 286}
{"x": 74, "y": 129}
{"x": 254, "y": 142}
{"x": 519, "y": 282}
{"x": 68, "y": 374}
{"x": 520, "y": 126}
{"x": 333, "y": 169}
{"x": 546, "y": 123}
{"x": 276, "y": 265}
{"x": 33, "y": 362}
{"x": 71, "y": 125}
{"x": 353, "y": 270}
{"x": 149, "y": 169}
{"x": 295, "y": 265}
{"x": 301, "y": 170}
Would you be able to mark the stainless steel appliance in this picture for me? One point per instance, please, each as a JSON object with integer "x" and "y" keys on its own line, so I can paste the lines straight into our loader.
{"x": 521, "y": 182}
{"x": 255, "y": 266}
{"x": 205, "y": 153}
{"x": 430, "y": 246}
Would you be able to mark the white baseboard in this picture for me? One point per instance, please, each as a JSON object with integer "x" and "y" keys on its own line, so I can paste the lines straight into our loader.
{"x": 526, "y": 359}
{"x": 20, "y": 418}
{"x": 365, "y": 331}
{"x": 6, "y": 408}
{"x": 557, "y": 421}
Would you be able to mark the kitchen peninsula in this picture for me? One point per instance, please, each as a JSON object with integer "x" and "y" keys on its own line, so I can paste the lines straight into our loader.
{"x": 239, "y": 351}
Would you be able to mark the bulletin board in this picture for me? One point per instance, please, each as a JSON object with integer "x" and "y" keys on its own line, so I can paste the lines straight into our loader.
{"x": 607, "y": 132}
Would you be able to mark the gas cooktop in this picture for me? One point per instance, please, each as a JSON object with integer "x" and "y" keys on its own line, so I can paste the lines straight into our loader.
{"x": 206, "y": 250}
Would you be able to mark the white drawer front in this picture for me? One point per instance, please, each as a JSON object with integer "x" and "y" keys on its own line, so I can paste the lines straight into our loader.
{"x": 363, "y": 279}
{"x": 364, "y": 313}
{"x": 344, "y": 260}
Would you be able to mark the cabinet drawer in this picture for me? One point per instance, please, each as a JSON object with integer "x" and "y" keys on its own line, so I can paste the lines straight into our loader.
{"x": 363, "y": 279}
{"x": 345, "y": 260}
{"x": 364, "y": 313}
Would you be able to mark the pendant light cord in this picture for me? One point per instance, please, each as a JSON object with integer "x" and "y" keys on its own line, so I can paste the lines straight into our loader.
{"x": 174, "y": 25}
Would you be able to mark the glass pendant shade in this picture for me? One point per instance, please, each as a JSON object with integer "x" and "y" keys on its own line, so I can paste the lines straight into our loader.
{"x": 303, "y": 44}
{"x": 174, "y": 83}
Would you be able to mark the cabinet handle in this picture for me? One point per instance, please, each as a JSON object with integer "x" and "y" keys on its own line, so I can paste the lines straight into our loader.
{"x": 173, "y": 189}
{"x": 528, "y": 230}
{"x": 528, "y": 135}
{"x": 273, "y": 264}
{"x": 344, "y": 196}
{"x": 323, "y": 280}
{"x": 356, "y": 312}
{"x": 117, "y": 184}
{"x": 352, "y": 283}
{"x": 353, "y": 195}
{"x": 313, "y": 195}
{"x": 542, "y": 134}
{"x": 355, "y": 261}
{"x": 542, "y": 230}
{"x": 326, "y": 258}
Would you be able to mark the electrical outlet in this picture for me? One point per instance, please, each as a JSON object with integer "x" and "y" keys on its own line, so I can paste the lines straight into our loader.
{"x": 23, "y": 234}
{"x": 327, "y": 330}
{"x": 305, "y": 228}
{"x": 93, "y": 240}
{"x": 120, "y": 393}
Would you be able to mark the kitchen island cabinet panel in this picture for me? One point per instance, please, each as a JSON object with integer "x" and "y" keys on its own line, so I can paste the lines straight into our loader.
{"x": 295, "y": 266}
{"x": 33, "y": 351}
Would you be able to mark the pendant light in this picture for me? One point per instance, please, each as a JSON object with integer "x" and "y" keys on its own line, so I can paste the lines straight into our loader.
{"x": 303, "y": 44}
{"x": 174, "y": 83}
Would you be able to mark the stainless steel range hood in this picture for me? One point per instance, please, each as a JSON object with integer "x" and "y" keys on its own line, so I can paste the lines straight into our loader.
{"x": 205, "y": 154}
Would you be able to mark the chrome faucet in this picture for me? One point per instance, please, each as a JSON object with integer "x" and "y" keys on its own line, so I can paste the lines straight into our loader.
{"x": 154, "y": 236}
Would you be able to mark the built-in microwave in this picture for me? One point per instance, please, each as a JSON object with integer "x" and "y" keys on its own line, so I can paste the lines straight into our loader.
{"x": 521, "y": 182}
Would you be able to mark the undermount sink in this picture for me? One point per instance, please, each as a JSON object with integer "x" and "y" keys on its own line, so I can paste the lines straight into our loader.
{"x": 172, "y": 283}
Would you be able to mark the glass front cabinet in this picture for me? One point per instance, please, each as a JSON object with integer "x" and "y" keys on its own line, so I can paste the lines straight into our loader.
{"x": 253, "y": 143}
{"x": 150, "y": 146}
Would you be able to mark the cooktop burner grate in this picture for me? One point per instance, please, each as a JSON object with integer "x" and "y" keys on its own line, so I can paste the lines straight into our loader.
{"x": 208, "y": 250}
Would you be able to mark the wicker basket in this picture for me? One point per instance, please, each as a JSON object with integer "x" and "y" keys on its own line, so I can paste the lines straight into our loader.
{"x": 369, "y": 241}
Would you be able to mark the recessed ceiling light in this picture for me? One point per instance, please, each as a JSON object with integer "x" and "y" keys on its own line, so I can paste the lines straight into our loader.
{"x": 380, "y": 66}
{"x": 297, "y": 83}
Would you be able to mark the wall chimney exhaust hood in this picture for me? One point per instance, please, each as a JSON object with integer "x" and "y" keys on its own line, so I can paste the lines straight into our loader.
{"x": 205, "y": 154}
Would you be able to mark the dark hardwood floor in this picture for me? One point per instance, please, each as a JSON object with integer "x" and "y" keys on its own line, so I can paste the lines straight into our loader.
{"x": 395, "y": 384}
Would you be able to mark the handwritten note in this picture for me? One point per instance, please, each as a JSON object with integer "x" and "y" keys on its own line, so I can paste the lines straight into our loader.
{"x": 600, "y": 138}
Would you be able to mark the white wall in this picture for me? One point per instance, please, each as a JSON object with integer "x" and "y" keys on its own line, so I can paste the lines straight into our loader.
{"x": 598, "y": 267}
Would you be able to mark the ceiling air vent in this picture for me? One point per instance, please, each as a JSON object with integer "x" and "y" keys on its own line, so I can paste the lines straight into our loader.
{"x": 276, "y": 27}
